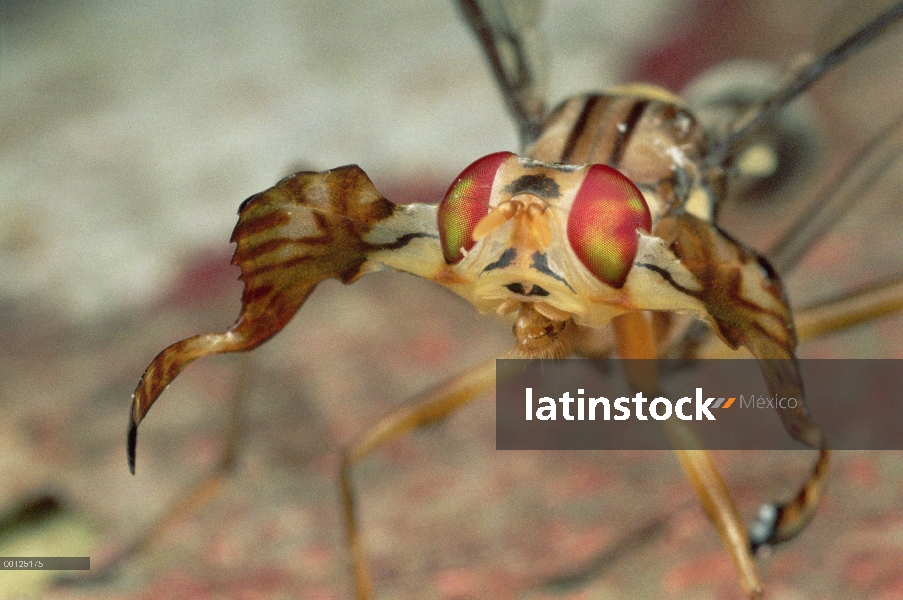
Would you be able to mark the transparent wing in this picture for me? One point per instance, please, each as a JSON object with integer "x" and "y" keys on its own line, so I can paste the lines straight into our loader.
{"x": 847, "y": 19}
{"x": 879, "y": 25}
{"x": 506, "y": 29}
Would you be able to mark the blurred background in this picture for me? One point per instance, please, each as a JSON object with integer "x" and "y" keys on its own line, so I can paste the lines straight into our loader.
{"x": 129, "y": 134}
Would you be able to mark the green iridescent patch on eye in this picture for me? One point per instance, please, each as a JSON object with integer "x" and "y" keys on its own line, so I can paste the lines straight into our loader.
{"x": 465, "y": 204}
{"x": 605, "y": 216}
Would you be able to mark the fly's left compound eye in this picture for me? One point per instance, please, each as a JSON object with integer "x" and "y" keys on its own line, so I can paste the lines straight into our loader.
{"x": 606, "y": 214}
{"x": 465, "y": 203}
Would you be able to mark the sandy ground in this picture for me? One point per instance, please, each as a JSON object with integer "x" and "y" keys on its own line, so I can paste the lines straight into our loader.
{"x": 129, "y": 134}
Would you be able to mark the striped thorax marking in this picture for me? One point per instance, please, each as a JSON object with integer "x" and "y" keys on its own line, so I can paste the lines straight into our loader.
{"x": 641, "y": 131}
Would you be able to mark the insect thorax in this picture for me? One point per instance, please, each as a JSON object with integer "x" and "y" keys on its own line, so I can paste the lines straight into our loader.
{"x": 642, "y": 131}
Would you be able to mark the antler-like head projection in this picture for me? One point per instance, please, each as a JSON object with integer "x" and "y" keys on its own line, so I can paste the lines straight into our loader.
{"x": 561, "y": 245}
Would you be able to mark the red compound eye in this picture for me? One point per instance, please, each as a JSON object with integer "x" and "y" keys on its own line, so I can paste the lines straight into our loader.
{"x": 465, "y": 203}
{"x": 604, "y": 219}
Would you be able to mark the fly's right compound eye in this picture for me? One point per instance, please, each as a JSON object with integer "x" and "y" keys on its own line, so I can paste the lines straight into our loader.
{"x": 602, "y": 227}
{"x": 465, "y": 204}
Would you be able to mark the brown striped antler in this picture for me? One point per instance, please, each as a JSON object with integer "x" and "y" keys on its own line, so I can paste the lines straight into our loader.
{"x": 307, "y": 228}
{"x": 745, "y": 298}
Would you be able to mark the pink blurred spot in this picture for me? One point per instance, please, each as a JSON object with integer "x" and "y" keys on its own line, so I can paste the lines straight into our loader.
{"x": 457, "y": 583}
{"x": 429, "y": 349}
{"x": 707, "y": 36}
{"x": 407, "y": 191}
{"x": 204, "y": 277}
{"x": 702, "y": 571}
{"x": 877, "y": 569}
{"x": 579, "y": 483}
{"x": 259, "y": 584}
{"x": 178, "y": 586}
{"x": 862, "y": 471}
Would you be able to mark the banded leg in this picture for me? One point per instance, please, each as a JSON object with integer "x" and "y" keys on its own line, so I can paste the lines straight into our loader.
{"x": 850, "y": 309}
{"x": 881, "y": 24}
{"x": 434, "y": 406}
{"x": 635, "y": 340}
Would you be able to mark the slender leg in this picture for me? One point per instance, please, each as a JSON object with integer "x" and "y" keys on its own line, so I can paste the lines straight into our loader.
{"x": 716, "y": 500}
{"x": 851, "y": 309}
{"x": 635, "y": 340}
{"x": 434, "y": 406}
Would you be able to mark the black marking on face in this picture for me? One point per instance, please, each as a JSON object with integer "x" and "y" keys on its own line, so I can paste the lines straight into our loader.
{"x": 538, "y": 185}
{"x": 517, "y": 288}
{"x": 504, "y": 260}
{"x": 541, "y": 264}
{"x": 535, "y": 290}
{"x": 668, "y": 277}
{"x": 404, "y": 240}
